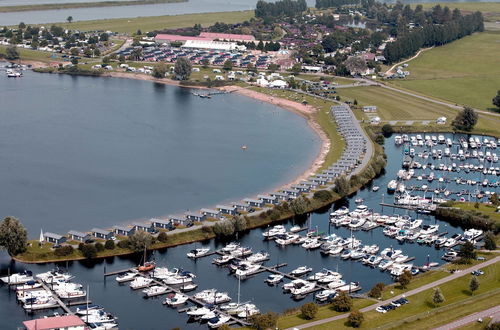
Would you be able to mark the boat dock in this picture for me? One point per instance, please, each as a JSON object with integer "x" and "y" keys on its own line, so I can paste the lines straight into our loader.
{"x": 411, "y": 207}
{"x": 64, "y": 305}
{"x": 117, "y": 272}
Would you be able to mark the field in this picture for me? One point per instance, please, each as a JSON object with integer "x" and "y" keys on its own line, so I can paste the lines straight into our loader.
{"x": 421, "y": 313}
{"x": 466, "y": 71}
{"x": 54, "y": 6}
{"x": 131, "y": 25}
{"x": 490, "y": 10}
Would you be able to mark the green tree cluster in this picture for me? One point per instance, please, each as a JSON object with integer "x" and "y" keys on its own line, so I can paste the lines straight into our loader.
{"x": 404, "y": 279}
{"x": 376, "y": 291}
{"x": 182, "y": 68}
{"x": 309, "y": 310}
{"x": 139, "y": 241}
{"x": 264, "y": 321}
{"x": 355, "y": 319}
{"x": 465, "y": 120}
{"x": 342, "y": 302}
{"x": 13, "y": 236}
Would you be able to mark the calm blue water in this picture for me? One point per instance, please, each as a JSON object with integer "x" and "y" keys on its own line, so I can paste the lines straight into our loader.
{"x": 82, "y": 14}
{"x": 80, "y": 152}
{"x": 134, "y": 312}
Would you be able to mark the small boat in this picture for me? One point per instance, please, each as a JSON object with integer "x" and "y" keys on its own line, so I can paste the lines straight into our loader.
{"x": 274, "y": 279}
{"x": 197, "y": 312}
{"x": 222, "y": 260}
{"x": 188, "y": 287}
{"x": 301, "y": 271}
{"x": 258, "y": 257}
{"x": 176, "y": 299}
{"x": 126, "y": 277}
{"x": 140, "y": 283}
{"x": 295, "y": 229}
{"x": 248, "y": 312}
{"x": 216, "y": 322}
{"x": 325, "y": 295}
{"x": 19, "y": 278}
{"x": 155, "y": 290}
{"x": 40, "y": 303}
{"x": 30, "y": 285}
{"x": 197, "y": 253}
{"x": 84, "y": 310}
{"x": 148, "y": 265}
{"x": 244, "y": 147}
{"x": 375, "y": 188}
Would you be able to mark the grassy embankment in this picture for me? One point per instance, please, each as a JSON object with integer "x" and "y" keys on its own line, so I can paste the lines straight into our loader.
{"x": 131, "y": 25}
{"x": 421, "y": 313}
{"x": 465, "y": 72}
{"x": 71, "y": 5}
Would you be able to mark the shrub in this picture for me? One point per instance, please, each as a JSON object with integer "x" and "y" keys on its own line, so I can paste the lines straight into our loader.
{"x": 109, "y": 245}
{"x": 89, "y": 251}
{"x": 123, "y": 244}
{"x": 355, "y": 319}
{"x": 387, "y": 130}
{"x": 63, "y": 251}
{"x": 404, "y": 279}
{"x": 309, "y": 310}
{"x": 376, "y": 291}
{"x": 342, "y": 302}
{"x": 489, "y": 241}
{"x": 264, "y": 321}
{"x": 466, "y": 252}
{"x": 99, "y": 247}
{"x": 162, "y": 237}
{"x": 224, "y": 228}
{"x": 322, "y": 195}
{"x": 342, "y": 186}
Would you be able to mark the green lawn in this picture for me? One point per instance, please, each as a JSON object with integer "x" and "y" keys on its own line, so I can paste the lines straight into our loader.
{"x": 466, "y": 71}
{"x": 422, "y": 313}
{"x": 131, "y": 25}
{"x": 31, "y": 55}
{"x": 487, "y": 209}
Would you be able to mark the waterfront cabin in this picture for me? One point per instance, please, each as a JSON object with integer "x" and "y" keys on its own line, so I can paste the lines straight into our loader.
{"x": 195, "y": 216}
{"x": 179, "y": 220}
{"x": 268, "y": 199}
{"x": 280, "y": 196}
{"x": 301, "y": 188}
{"x": 240, "y": 206}
{"x": 210, "y": 213}
{"x": 72, "y": 322}
{"x": 54, "y": 238}
{"x": 74, "y": 235}
{"x": 254, "y": 202}
{"x": 225, "y": 209}
{"x": 292, "y": 193}
{"x": 161, "y": 223}
{"x": 142, "y": 227}
{"x": 101, "y": 233}
{"x": 123, "y": 231}
{"x": 310, "y": 184}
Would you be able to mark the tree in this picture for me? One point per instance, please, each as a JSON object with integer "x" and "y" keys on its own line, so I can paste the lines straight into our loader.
{"x": 387, "y": 130}
{"x": 88, "y": 250}
{"x": 355, "y": 319}
{"x": 465, "y": 120}
{"x": 342, "y": 302}
{"x": 74, "y": 61}
{"x": 11, "y": 53}
{"x": 309, "y": 310}
{"x": 494, "y": 200}
{"x": 322, "y": 195}
{"x": 342, "y": 186}
{"x": 163, "y": 237}
{"x": 88, "y": 52}
{"x": 97, "y": 52}
{"x": 160, "y": 70}
{"x": 63, "y": 251}
{"x": 473, "y": 284}
{"x": 376, "y": 291}
{"x": 466, "y": 252}
{"x": 489, "y": 241}
{"x": 404, "y": 279}
{"x": 205, "y": 63}
{"x": 182, "y": 68}
{"x": 437, "y": 297}
{"x": 69, "y": 19}
{"x": 109, "y": 245}
{"x": 140, "y": 240}
{"x": 496, "y": 100}
{"x": 264, "y": 321}
{"x": 121, "y": 59}
{"x": 299, "y": 205}
{"x": 74, "y": 51}
{"x": 99, "y": 247}
{"x": 13, "y": 236}
{"x": 105, "y": 60}
{"x": 239, "y": 223}
{"x": 224, "y": 228}
{"x": 296, "y": 68}
{"x": 228, "y": 65}
{"x": 356, "y": 65}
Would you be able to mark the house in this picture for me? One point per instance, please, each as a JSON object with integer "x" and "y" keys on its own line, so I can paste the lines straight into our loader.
{"x": 195, "y": 216}
{"x": 179, "y": 219}
{"x": 66, "y": 322}
{"x": 254, "y": 202}
{"x": 240, "y": 206}
{"x": 123, "y": 231}
{"x": 375, "y": 120}
{"x": 370, "y": 108}
{"x": 54, "y": 238}
{"x": 210, "y": 213}
{"x": 441, "y": 121}
{"x": 309, "y": 68}
{"x": 101, "y": 233}
{"x": 280, "y": 196}
{"x": 225, "y": 209}
{"x": 267, "y": 199}
{"x": 262, "y": 82}
{"x": 161, "y": 223}
{"x": 142, "y": 227}
{"x": 74, "y": 235}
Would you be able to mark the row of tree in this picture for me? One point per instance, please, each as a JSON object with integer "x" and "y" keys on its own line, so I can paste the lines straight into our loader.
{"x": 433, "y": 35}
{"x": 320, "y": 4}
{"x": 280, "y": 8}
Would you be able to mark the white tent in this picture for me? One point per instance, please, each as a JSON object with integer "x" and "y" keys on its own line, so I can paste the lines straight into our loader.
{"x": 279, "y": 84}
{"x": 262, "y": 82}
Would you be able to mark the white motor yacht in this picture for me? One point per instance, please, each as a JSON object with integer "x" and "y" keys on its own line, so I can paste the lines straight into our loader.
{"x": 140, "y": 283}
{"x": 176, "y": 299}
{"x": 197, "y": 253}
{"x": 126, "y": 277}
{"x": 299, "y": 271}
{"x": 216, "y": 322}
{"x": 155, "y": 290}
{"x": 274, "y": 279}
{"x": 19, "y": 278}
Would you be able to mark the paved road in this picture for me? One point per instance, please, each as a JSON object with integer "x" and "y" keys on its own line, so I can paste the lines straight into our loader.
{"x": 494, "y": 311}
{"x": 406, "y": 294}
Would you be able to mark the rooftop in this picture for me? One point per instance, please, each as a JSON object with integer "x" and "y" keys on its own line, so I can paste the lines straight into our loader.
{"x": 57, "y": 322}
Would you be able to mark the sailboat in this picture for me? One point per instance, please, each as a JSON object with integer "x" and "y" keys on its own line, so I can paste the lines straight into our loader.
{"x": 147, "y": 265}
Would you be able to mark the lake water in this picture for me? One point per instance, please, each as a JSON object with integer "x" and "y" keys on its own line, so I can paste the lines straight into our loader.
{"x": 134, "y": 312}
{"x": 82, "y": 14}
{"x": 83, "y": 152}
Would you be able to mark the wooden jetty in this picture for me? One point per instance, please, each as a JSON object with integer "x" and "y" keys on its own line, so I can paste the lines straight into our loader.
{"x": 117, "y": 272}
{"x": 56, "y": 298}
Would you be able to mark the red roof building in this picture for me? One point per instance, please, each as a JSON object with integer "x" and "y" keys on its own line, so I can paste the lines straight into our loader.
{"x": 68, "y": 322}
{"x": 228, "y": 36}
{"x": 176, "y": 37}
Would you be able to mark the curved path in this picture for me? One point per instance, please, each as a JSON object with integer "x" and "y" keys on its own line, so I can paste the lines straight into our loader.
{"x": 492, "y": 312}
{"x": 406, "y": 294}
{"x": 388, "y": 72}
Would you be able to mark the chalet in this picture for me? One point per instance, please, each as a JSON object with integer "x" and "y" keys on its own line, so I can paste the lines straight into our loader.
{"x": 142, "y": 227}
{"x": 195, "y": 216}
{"x": 267, "y": 199}
{"x": 210, "y": 213}
{"x": 254, "y": 202}
{"x": 101, "y": 233}
{"x": 161, "y": 223}
{"x": 74, "y": 235}
{"x": 123, "y": 230}
{"x": 292, "y": 193}
{"x": 225, "y": 209}
{"x": 240, "y": 206}
{"x": 179, "y": 219}
{"x": 280, "y": 196}
{"x": 301, "y": 188}
{"x": 370, "y": 108}
{"x": 54, "y": 238}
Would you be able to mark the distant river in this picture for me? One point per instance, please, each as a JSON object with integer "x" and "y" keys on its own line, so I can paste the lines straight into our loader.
{"x": 82, "y": 14}
{"x": 80, "y": 152}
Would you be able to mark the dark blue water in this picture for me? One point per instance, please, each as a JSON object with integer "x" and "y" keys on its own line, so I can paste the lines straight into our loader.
{"x": 82, "y": 14}
{"x": 81, "y": 152}
{"x": 134, "y": 312}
